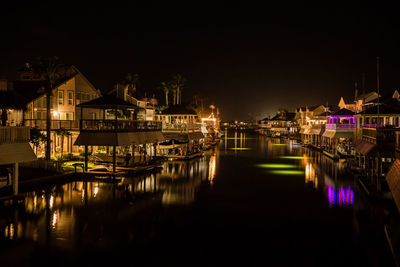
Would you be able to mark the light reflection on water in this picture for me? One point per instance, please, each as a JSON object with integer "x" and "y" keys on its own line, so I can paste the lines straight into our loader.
{"x": 74, "y": 212}
{"x": 59, "y": 215}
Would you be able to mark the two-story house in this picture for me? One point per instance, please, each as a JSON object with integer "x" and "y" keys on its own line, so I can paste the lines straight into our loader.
{"x": 71, "y": 89}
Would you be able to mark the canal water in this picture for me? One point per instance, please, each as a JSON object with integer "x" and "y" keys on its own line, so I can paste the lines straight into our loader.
{"x": 252, "y": 201}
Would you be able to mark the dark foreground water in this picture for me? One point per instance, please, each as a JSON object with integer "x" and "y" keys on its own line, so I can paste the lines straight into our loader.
{"x": 251, "y": 202}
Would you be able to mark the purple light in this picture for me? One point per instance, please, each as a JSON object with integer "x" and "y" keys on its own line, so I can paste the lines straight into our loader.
{"x": 340, "y": 197}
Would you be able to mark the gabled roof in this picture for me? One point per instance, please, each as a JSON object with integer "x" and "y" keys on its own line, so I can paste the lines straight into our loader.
{"x": 32, "y": 90}
{"x": 368, "y": 97}
{"x": 343, "y": 112}
{"x": 108, "y": 102}
{"x": 179, "y": 110}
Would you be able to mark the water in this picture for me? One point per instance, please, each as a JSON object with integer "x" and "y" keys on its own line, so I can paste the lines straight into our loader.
{"x": 252, "y": 201}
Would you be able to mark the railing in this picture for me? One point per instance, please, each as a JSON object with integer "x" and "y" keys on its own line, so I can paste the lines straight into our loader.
{"x": 343, "y": 127}
{"x": 120, "y": 125}
{"x": 379, "y": 135}
{"x": 181, "y": 127}
{"x": 55, "y": 124}
{"x": 14, "y": 134}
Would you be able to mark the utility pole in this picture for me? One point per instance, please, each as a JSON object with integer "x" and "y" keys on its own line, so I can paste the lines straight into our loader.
{"x": 377, "y": 81}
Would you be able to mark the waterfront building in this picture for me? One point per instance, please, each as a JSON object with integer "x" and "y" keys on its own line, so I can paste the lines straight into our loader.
{"x": 339, "y": 133}
{"x": 283, "y": 123}
{"x": 312, "y": 123}
{"x": 181, "y": 127}
{"x": 116, "y": 127}
{"x": 72, "y": 89}
{"x": 360, "y": 102}
{"x": 375, "y": 137}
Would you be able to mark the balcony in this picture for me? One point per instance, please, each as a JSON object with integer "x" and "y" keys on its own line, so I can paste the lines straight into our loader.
{"x": 181, "y": 127}
{"x": 379, "y": 136}
{"x": 14, "y": 135}
{"x": 119, "y": 126}
{"x": 340, "y": 127}
{"x": 55, "y": 124}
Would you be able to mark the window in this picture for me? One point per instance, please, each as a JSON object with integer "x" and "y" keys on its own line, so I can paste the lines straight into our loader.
{"x": 70, "y": 98}
{"x": 60, "y": 98}
{"x": 69, "y": 116}
{"x": 78, "y": 96}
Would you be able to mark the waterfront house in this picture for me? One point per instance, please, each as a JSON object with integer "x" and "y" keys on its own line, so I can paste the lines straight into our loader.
{"x": 360, "y": 102}
{"x": 283, "y": 123}
{"x": 312, "y": 121}
{"x": 181, "y": 127}
{"x": 116, "y": 127}
{"x": 72, "y": 89}
{"x": 339, "y": 133}
{"x": 375, "y": 136}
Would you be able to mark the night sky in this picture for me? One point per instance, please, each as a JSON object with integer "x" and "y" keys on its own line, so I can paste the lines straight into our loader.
{"x": 246, "y": 59}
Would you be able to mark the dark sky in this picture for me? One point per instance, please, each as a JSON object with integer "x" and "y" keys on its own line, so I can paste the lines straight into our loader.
{"x": 246, "y": 59}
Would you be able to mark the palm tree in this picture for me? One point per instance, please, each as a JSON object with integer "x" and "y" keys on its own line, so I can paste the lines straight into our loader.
{"x": 179, "y": 82}
{"x": 166, "y": 88}
{"x": 48, "y": 68}
{"x": 130, "y": 83}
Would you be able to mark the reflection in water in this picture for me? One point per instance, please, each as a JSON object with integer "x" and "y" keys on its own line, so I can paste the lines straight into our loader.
{"x": 342, "y": 197}
{"x": 62, "y": 215}
{"x": 311, "y": 176}
{"x": 337, "y": 193}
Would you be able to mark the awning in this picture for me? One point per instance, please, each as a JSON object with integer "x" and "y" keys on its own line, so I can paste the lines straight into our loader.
{"x": 16, "y": 152}
{"x": 118, "y": 139}
{"x": 329, "y": 133}
{"x": 184, "y": 137}
{"x": 344, "y": 134}
{"x": 315, "y": 131}
{"x": 393, "y": 180}
{"x": 364, "y": 147}
{"x": 103, "y": 139}
{"x": 338, "y": 134}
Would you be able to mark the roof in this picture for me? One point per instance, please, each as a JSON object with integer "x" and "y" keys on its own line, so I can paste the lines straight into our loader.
{"x": 383, "y": 109}
{"x": 179, "y": 109}
{"x": 287, "y": 116}
{"x": 108, "y": 102}
{"x": 343, "y": 112}
{"x": 10, "y": 99}
{"x": 32, "y": 90}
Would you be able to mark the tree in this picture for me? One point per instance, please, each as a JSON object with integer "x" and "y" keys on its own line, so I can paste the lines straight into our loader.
{"x": 178, "y": 82}
{"x": 36, "y": 137}
{"x": 63, "y": 133}
{"x": 49, "y": 70}
{"x": 165, "y": 86}
{"x": 130, "y": 83}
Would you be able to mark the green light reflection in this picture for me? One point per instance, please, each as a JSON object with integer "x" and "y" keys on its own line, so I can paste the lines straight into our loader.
{"x": 293, "y": 157}
{"x": 286, "y": 172}
{"x": 276, "y": 166}
{"x": 240, "y": 148}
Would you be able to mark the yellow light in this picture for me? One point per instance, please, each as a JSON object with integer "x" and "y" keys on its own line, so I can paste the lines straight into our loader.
{"x": 51, "y": 202}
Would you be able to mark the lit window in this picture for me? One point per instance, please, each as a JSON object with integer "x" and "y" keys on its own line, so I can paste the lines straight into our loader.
{"x": 69, "y": 116}
{"x": 61, "y": 98}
